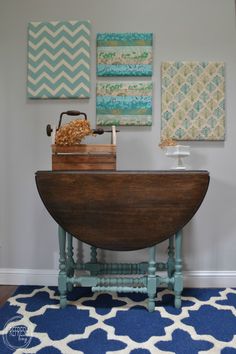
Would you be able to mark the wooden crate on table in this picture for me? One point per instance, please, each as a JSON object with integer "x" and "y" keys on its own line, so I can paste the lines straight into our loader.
{"x": 84, "y": 157}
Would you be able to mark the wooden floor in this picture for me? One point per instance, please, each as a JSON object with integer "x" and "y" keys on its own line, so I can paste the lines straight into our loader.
{"x": 5, "y": 292}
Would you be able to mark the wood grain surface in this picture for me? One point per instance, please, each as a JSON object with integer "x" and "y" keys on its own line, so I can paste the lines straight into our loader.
{"x": 84, "y": 157}
{"x": 5, "y": 292}
{"x": 122, "y": 210}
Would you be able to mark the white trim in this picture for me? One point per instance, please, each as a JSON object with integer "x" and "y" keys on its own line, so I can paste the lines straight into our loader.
{"x": 11, "y": 276}
{"x": 197, "y": 279}
{"x": 210, "y": 279}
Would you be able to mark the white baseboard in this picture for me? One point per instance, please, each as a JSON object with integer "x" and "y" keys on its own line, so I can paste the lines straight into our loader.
{"x": 196, "y": 279}
{"x": 11, "y": 276}
{"x": 210, "y": 279}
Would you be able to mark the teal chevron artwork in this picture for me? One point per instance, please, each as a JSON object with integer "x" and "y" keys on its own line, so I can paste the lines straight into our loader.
{"x": 193, "y": 100}
{"x": 124, "y": 54}
{"x": 59, "y": 59}
{"x": 124, "y": 103}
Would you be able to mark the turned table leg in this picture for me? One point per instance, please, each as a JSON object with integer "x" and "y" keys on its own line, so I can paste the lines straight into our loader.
{"x": 178, "y": 277}
{"x": 171, "y": 260}
{"x": 93, "y": 254}
{"x": 151, "y": 280}
{"x": 70, "y": 260}
{"x": 62, "y": 279}
{"x": 93, "y": 260}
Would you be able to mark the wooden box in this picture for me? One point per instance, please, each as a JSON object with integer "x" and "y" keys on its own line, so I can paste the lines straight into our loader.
{"x": 84, "y": 157}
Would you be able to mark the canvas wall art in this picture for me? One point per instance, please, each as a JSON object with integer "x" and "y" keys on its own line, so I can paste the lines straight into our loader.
{"x": 193, "y": 100}
{"x": 124, "y": 103}
{"x": 124, "y": 54}
{"x": 59, "y": 59}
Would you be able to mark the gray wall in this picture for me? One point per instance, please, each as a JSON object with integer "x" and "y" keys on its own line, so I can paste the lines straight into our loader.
{"x": 183, "y": 30}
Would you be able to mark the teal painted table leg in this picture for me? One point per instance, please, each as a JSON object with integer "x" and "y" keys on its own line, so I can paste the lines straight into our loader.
{"x": 70, "y": 260}
{"x": 62, "y": 279}
{"x": 151, "y": 279}
{"x": 171, "y": 260}
{"x": 93, "y": 260}
{"x": 93, "y": 254}
{"x": 178, "y": 277}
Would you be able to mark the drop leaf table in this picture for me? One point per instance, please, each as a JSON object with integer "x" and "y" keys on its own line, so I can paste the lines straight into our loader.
{"x": 122, "y": 211}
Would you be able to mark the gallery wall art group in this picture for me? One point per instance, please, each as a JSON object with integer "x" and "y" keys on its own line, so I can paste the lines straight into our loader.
{"x": 192, "y": 92}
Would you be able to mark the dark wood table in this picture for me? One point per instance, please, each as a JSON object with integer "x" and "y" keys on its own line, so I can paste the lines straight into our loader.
{"x": 123, "y": 210}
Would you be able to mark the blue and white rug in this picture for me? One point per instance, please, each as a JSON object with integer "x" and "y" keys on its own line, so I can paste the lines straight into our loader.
{"x": 31, "y": 322}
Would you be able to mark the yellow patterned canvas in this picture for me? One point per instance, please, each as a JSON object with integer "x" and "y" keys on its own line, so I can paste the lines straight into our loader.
{"x": 193, "y": 100}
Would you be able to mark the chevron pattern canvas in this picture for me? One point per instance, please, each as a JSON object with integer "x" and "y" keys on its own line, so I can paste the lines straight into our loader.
{"x": 59, "y": 59}
{"x": 193, "y": 100}
{"x": 124, "y": 103}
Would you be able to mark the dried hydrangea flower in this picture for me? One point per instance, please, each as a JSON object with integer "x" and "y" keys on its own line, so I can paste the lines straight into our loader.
{"x": 167, "y": 142}
{"x": 73, "y": 132}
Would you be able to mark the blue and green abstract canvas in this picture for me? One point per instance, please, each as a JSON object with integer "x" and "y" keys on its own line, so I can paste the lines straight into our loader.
{"x": 124, "y": 54}
{"x": 59, "y": 59}
{"x": 124, "y": 103}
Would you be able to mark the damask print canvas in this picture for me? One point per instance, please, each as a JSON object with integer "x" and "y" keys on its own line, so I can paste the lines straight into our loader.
{"x": 193, "y": 100}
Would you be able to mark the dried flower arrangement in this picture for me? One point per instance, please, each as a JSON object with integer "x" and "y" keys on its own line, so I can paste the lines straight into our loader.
{"x": 167, "y": 142}
{"x": 73, "y": 132}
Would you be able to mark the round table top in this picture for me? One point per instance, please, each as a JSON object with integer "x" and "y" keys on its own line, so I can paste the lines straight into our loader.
{"x": 122, "y": 210}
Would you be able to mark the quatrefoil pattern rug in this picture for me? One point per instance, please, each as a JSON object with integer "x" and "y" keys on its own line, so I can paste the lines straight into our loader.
{"x": 31, "y": 322}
